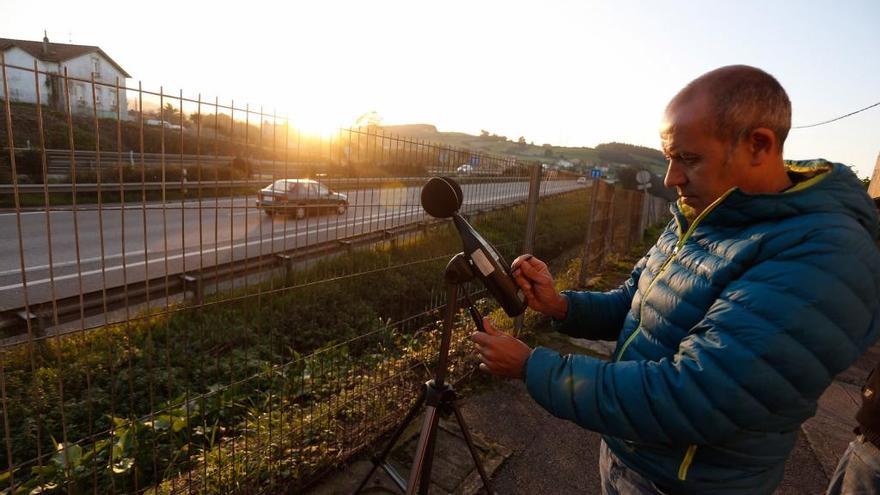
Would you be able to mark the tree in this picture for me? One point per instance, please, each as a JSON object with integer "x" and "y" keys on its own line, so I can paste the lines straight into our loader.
{"x": 369, "y": 119}
{"x": 484, "y": 134}
{"x": 627, "y": 177}
{"x": 171, "y": 114}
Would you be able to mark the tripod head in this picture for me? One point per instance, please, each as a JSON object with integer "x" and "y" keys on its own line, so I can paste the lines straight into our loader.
{"x": 458, "y": 270}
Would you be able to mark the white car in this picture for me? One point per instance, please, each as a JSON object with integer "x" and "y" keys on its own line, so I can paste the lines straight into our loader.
{"x": 582, "y": 180}
{"x": 465, "y": 169}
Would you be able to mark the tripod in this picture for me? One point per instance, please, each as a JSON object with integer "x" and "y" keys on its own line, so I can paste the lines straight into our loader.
{"x": 438, "y": 397}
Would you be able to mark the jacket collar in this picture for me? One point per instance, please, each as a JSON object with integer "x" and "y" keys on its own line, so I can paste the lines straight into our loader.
{"x": 820, "y": 186}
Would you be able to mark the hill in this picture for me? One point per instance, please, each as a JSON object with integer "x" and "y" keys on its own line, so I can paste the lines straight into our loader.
{"x": 581, "y": 158}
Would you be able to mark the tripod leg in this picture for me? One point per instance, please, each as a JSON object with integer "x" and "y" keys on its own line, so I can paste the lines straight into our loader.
{"x": 470, "y": 443}
{"x": 380, "y": 460}
{"x": 420, "y": 472}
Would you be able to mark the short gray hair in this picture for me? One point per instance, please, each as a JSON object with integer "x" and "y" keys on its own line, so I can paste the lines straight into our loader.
{"x": 741, "y": 98}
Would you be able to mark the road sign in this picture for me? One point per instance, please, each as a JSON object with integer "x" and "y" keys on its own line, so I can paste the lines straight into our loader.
{"x": 643, "y": 177}
{"x": 475, "y": 160}
{"x": 595, "y": 173}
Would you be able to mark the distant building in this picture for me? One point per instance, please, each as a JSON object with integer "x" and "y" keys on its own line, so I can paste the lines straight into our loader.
{"x": 83, "y": 62}
{"x": 874, "y": 185}
{"x": 562, "y": 163}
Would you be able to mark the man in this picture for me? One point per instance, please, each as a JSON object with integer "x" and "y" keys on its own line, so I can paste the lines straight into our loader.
{"x": 859, "y": 468}
{"x": 761, "y": 289}
{"x": 858, "y": 471}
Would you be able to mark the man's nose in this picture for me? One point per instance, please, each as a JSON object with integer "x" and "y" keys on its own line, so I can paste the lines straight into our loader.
{"x": 674, "y": 175}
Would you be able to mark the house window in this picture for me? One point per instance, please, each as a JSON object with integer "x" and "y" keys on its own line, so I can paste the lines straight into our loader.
{"x": 96, "y": 67}
{"x": 79, "y": 92}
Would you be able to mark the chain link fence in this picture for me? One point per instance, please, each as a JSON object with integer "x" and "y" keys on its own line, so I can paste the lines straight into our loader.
{"x": 201, "y": 297}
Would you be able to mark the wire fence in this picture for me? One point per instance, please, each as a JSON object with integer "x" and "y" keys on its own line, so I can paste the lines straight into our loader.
{"x": 201, "y": 297}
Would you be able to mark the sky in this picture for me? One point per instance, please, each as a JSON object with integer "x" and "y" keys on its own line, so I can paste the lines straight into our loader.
{"x": 571, "y": 73}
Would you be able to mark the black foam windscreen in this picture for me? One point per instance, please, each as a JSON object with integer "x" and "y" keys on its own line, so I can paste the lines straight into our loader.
{"x": 454, "y": 184}
{"x": 441, "y": 197}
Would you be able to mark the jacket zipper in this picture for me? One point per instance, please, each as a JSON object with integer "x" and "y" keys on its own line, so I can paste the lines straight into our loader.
{"x": 686, "y": 462}
{"x": 692, "y": 449}
{"x": 675, "y": 251}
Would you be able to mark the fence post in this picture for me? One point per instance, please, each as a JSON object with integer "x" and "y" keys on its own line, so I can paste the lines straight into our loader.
{"x": 532, "y": 209}
{"x": 585, "y": 261}
{"x": 609, "y": 233}
{"x": 531, "y": 223}
{"x": 643, "y": 217}
{"x": 627, "y": 236}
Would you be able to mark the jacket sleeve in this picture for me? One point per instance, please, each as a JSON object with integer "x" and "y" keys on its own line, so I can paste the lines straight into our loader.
{"x": 599, "y": 315}
{"x": 766, "y": 349}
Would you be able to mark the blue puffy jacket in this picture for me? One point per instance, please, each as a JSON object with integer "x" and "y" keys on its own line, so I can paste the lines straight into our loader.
{"x": 728, "y": 331}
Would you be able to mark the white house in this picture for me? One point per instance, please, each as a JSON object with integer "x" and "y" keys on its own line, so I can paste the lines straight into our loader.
{"x": 83, "y": 62}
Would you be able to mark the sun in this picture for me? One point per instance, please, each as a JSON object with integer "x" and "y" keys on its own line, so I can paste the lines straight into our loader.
{"x": 320, "y": 114}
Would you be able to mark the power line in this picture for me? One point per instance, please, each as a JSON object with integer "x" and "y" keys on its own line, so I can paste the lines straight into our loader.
{"x": 838, "y": 118}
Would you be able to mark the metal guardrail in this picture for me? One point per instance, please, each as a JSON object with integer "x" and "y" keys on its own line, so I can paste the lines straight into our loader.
{"x": 109, "y": 187}
{"x": 59, "y": 162}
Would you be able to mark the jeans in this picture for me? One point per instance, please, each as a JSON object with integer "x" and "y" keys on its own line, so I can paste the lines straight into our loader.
{"x": 618, "y": 479}
{"x": 858, "y": 472}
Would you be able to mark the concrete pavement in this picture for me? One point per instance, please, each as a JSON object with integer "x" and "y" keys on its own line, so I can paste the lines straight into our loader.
{"x": 543, "y": 454}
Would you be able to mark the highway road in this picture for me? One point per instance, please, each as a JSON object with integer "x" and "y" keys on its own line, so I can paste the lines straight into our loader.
{"x": 155, "y": 239}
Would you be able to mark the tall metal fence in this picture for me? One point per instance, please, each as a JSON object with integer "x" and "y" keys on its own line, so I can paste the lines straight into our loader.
{"x": 616, "y": 221}
{"x": 167, "y": 328}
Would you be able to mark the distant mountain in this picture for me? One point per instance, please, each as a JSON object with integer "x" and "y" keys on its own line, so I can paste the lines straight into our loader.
{"x": 411, "y": 130}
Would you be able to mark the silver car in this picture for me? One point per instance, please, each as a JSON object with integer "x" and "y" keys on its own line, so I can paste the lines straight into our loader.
{"x": 300, "y": 197}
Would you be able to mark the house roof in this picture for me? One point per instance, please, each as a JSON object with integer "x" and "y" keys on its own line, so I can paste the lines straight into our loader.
{"x": 57, "y": 52}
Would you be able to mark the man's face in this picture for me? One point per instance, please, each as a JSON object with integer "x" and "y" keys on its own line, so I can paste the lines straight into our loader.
{"x": 701, "y": 166}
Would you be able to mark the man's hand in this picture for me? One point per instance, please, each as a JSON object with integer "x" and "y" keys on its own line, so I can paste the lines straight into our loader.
{"x": 501, "y": 354}
{"x": 536, "y": 282}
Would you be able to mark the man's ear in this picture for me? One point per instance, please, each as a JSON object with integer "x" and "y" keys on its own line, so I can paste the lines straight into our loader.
{"x": 762, "y": 144}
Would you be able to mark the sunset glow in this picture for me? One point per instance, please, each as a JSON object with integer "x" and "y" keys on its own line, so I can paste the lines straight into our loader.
{"x": 566, "y": 73}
